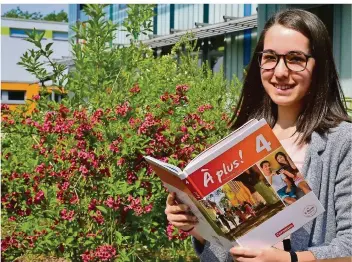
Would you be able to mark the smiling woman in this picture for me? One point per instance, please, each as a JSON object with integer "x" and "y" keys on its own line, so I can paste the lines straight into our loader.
{"x": 286, "y": 87}
{"x": 292, "y": 82}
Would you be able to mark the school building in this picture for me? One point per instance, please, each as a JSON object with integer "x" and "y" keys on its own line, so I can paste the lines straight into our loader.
{"x": 17, "y": 84}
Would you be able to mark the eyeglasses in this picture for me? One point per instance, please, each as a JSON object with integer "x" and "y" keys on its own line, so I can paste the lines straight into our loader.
{"x": 294, "y": 60}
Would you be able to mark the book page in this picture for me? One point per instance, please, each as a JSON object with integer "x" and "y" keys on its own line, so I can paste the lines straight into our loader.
{"x": 171, "y": 168}
{"x": 203, "y": 228}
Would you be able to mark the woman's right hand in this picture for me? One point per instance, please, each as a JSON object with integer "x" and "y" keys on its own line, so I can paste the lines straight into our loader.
{"x": 179, "y": 215}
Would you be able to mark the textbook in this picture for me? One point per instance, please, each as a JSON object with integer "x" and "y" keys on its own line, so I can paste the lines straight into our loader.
{"x": 245, "y": 190}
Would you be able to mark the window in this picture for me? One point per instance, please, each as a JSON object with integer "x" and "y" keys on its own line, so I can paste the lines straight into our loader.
{"x": 81, "y": 7}
{"x": 21, "y": 32}
{"x": 55, "y": 97}
{"x": 122, "y": 6}
{"x": 15, "y": 32}
{"x": 62, "y": 36}
{"x": 13, "y": 97}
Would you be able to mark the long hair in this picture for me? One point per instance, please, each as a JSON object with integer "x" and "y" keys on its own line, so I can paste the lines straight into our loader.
{"x": 324, "y": 105}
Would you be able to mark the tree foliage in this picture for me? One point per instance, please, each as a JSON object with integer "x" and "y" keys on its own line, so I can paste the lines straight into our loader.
{"x": 74, "y": 181}
{"x": 53, "y": 16}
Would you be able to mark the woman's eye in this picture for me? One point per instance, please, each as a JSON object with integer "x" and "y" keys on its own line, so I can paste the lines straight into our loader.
{"x": 269, "y": 57}
{"x": 296, "y": 58}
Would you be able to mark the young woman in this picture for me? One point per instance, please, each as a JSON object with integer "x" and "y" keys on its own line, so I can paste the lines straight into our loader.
{"x": 292, "y": 82}
{"x": 289, "y": 169}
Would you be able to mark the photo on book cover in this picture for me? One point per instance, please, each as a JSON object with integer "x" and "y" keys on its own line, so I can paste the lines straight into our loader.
{"x": 282, "y": 174}
{"x": 241, "y": 204}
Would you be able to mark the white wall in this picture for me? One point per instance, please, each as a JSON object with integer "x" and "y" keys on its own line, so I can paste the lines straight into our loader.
{"x": 12, "y": 48}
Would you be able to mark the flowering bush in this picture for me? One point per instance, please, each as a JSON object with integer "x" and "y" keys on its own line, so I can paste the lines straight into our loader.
{"x": 74, "y": 181}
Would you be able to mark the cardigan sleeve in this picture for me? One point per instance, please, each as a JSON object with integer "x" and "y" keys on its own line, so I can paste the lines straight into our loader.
{"x": 340, "y": 246}
{"x": 211, "y": 252}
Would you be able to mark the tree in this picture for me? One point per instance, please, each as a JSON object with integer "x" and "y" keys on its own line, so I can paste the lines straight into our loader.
{"x": 18, "y": 13}
{"x": 59, "y": 17}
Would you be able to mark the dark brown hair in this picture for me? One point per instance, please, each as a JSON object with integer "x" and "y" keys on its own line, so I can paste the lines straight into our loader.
{"x": 324, "y": 105}
{"x": 264, "y": 162}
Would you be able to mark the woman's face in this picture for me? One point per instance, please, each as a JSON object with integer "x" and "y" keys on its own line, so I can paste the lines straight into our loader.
{"x": 281, "y": 159}
{"x": 286, "y": 87}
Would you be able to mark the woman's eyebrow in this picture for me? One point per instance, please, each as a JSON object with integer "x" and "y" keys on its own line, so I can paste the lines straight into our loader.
{"x": 290, "y": 51}
{"x": 269, "y": 50}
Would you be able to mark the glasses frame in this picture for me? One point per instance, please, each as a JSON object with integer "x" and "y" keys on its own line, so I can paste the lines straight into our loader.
{"x": 260, "y": 54}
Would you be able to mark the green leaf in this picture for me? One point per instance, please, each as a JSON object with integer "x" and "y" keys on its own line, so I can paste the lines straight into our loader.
{"x": 69, "y": 240}
{"x": 102, "y": 209}
{"x": 47, "y": 47}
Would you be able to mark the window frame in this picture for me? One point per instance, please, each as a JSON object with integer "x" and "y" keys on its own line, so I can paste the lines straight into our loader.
{"x": 60, "y": 38}
{"x": 18, "y": 35}
{"x": 5, "y": 97}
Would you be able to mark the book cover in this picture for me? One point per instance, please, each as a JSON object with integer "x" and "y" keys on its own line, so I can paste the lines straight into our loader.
{"x": 239, "y": 191}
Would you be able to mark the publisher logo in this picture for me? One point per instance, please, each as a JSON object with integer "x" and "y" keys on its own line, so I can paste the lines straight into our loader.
{"x": 284, "y": 230}
{"x": 309, "y": 210}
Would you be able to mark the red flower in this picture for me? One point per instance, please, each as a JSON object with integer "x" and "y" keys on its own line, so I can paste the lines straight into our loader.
{"x": 202, "y": 108}
{"x": 99, "y": 218}
{"x": 135, "y": 89}
{"x": 67, "y": 215}
{"x": 39, "y": 197}
{"x": 112, "y": 203}
{"x": 35, "y": 97}
{"x": 88, "y": 256}
{"x": 122, "y": 110}
{"x": 105, "y": 252}
{"x": 4, "y": 107}
{"x": 92, "y": 205}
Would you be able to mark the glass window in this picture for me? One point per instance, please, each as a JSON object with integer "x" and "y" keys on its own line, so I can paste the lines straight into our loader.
{"x": 81, "y": 6}
{"x": 122, "y": 6}
{"x": 21, "y": 32}
{"x": 16, "y": 32}
{"x": 60, "y": 35}
{"x": 13, "y": 96}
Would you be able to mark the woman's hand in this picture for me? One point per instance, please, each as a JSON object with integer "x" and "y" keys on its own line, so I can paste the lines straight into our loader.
{"x": 242, "y": 254}
{"x": 179, "y": 215}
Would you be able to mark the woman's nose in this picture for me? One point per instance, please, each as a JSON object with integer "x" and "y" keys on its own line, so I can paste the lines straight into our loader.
{"x": 281, "y": 69}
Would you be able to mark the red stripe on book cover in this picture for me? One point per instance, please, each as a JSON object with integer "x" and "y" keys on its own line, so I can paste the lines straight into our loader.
{"x": 192, "y": 188}
{"x": 284, "y": 230}
{"x": 233, "y": 162}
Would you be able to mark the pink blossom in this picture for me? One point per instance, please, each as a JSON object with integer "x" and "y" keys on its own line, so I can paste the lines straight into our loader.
{"x": 121, "y": 161}
{"x": 105, "y": 252}
{"x": 88, "y": 256}
{"x": 122, "y": 110}
{"x": 39, "y": 197}
{"x": 112, "y": 203}
{"x": 67, "y": 215}
{"x": 35, "y": 97}
{"x": 135, "y": 89}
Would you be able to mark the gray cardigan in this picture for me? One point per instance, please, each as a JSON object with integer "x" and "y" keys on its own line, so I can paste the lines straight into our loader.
{"x": 327, "y": 169}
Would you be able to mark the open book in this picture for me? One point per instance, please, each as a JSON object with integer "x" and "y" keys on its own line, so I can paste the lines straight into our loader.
{"x": 245, "y": 190}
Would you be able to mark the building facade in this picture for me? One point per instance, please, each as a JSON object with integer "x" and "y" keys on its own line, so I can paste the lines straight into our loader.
{"x": 232, "y": 50}
{"x": 17, "y": 84}
{"x": 227, "y": 33}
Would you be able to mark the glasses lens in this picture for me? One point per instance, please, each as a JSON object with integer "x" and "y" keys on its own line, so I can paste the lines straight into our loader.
{"x": 268, "y": 60}
{"x": 296, "y": 61}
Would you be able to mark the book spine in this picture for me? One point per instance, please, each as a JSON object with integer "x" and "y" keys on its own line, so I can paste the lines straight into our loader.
{"x": 192, "y": 187}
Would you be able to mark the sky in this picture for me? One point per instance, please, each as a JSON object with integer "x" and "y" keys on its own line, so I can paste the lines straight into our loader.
{"x": 44, "y": 9}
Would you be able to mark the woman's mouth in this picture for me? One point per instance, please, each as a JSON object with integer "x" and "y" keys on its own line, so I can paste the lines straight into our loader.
{"x": 283, "y": 87}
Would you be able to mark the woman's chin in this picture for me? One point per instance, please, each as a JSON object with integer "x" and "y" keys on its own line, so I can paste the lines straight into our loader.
{"x": 285, "y": 102}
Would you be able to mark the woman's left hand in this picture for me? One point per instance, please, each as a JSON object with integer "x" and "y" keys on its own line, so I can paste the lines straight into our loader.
{"x": 243, "y": 254}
